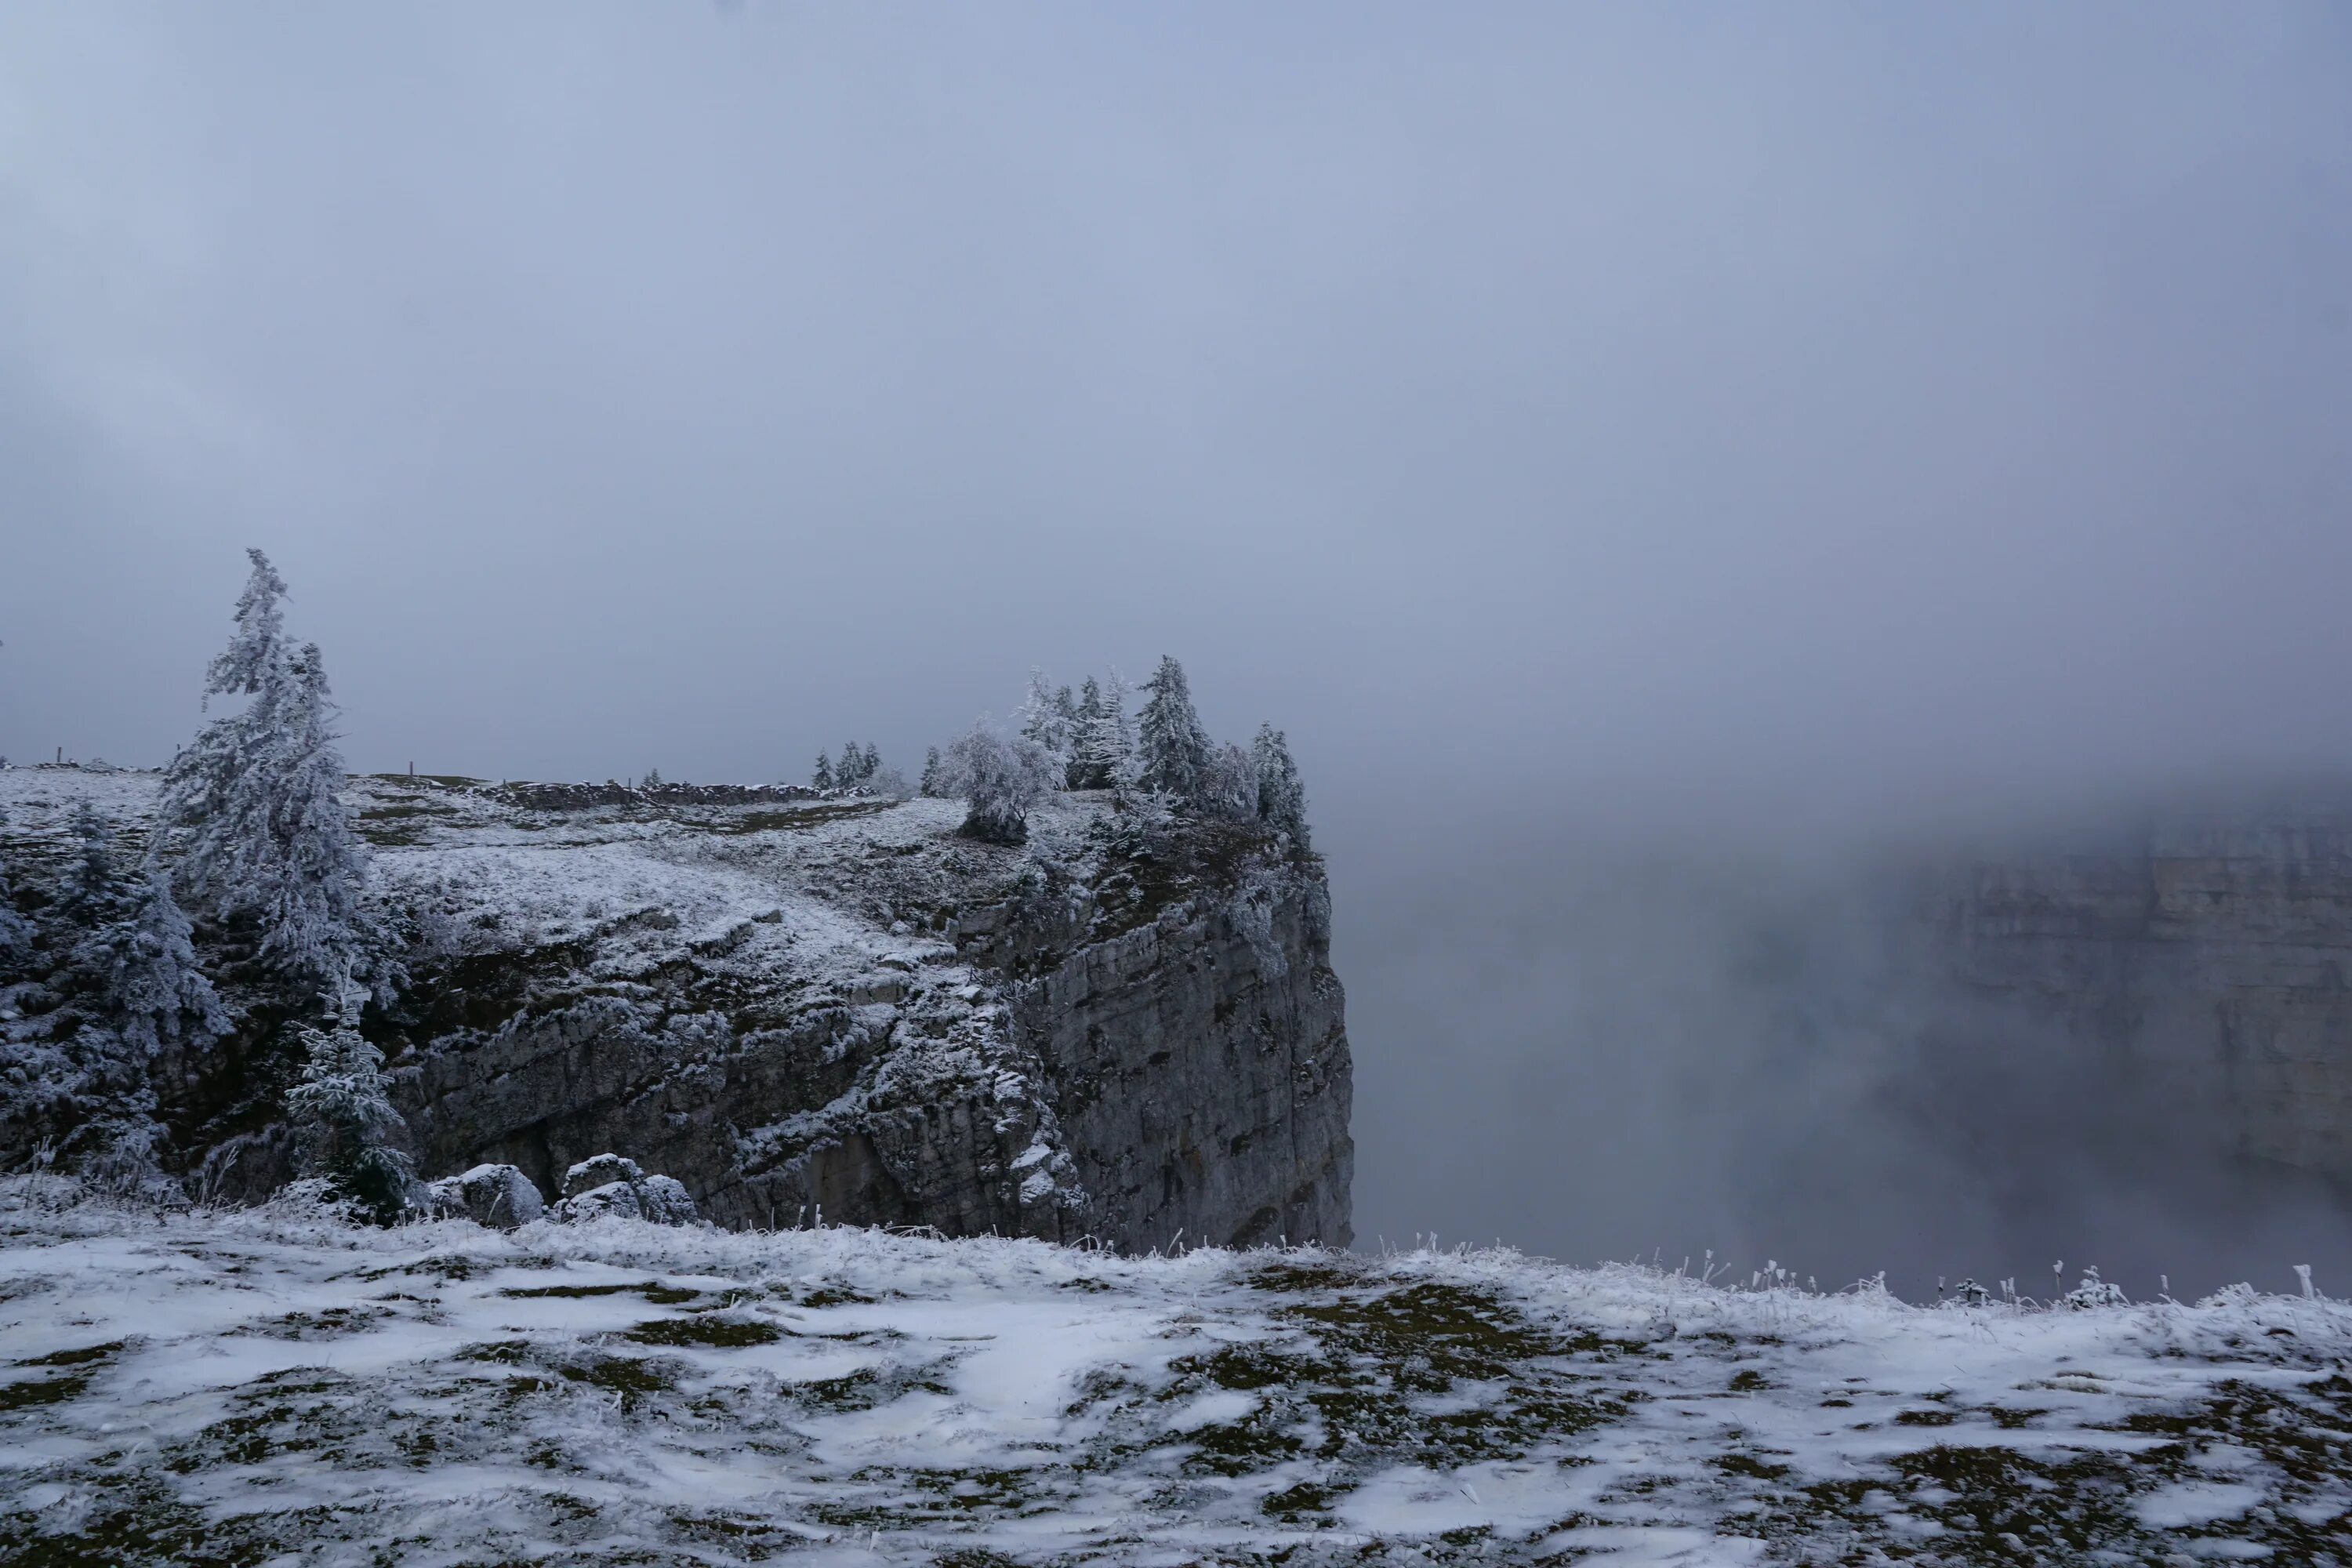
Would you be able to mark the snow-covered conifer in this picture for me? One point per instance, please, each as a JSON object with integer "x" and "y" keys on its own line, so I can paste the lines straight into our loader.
{"x": 823, "y": 777}
{"x": 92, "y": 885}
{"x": 349, "y": 1128}
{"x": 1175, "y": 749}
{"x": 931, "y": 784}
{"x": 1043, "y": 720}
{"x": 1229, "y": 783}
{"x": 1000, "y": 779}
{"x": 148, "y": 965}
{"x": 870, "y": 764}
{"x": 1281, "y": 798}
{"x": 653, "y": 778}
{"x": 1123, "y": 753}
{"x": 258, "y": 796}
{"x": 1085, "y": 769}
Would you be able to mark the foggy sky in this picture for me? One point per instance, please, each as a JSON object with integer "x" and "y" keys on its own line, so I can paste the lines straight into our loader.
{"x": 1573, "y": 425}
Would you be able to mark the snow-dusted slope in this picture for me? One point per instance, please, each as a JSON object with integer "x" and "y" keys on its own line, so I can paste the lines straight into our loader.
{"x": 271, "y": 1386}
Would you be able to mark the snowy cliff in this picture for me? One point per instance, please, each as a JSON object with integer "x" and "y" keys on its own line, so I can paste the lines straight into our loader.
{"x": 799, "y": 1006}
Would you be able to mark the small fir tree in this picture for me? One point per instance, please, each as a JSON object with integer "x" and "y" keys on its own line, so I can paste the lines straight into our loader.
{"x": 931, "y": 784}
{"x": 1175, "y": 749}
{"x": 653, "y": 778}
{"x": 147, "y": 963}
{"x": 92, "y": 887}
{"x": 345, "y": 1118}
{"x": 823, "y": 777}
{"x": 1281, "y": 798}
{"x": 869, "y": 766}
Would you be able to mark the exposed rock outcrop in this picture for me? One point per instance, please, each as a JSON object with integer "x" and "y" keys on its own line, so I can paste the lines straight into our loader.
{"x": 1137, "y": 1043}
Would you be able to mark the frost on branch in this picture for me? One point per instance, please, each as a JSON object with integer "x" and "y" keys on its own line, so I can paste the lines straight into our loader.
{"x": 1000, "y": 780}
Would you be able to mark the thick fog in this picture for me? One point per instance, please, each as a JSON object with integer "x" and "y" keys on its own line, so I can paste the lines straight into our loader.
{"x": 1649, "y": 460}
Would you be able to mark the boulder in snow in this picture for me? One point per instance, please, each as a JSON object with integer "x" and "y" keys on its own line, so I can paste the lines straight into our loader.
{"x": 600, "y": 1170}
{"x": 496, "y": 1196}
{"x": 613, "y": 1185}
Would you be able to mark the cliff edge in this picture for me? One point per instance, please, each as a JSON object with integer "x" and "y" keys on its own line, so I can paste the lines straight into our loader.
{"x": 818, "y": 1009}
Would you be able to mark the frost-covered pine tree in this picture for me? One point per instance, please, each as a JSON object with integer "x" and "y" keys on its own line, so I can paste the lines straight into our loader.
{"x": 1281, "y": 798}
{"x": 1086, "y": 768}
{"x": 1000, "y": 779}
{"x": 931, "y": 784}
{"x": 1229, "y": 783}
{"x": 259, "y": 799}
{"x": 869, "y": 766}
{"x": 823, "y": 777}
{"x": 1042, "y": 721}
{"x": 91, "y": 885}
{"x": 1175, "y": 749}
{"x": 147, "y": 963}
{"x": 345, "y": 1118}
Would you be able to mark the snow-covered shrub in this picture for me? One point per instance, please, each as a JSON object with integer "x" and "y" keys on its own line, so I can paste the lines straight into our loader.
{"x": 999, "y": 779}
{"x": 259, "y": 798}
{"x": 347, "y": 1123}
{"x": 888, "y": 783}
{"x": 2095, "y": 1291}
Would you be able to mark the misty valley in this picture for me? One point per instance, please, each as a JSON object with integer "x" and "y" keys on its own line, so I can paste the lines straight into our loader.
{"x": 962, "y": 1170}
{"x": 1218, "y": 785}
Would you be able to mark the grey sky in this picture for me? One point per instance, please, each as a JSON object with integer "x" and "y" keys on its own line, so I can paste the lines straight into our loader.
{"x": 1777, "y": 418}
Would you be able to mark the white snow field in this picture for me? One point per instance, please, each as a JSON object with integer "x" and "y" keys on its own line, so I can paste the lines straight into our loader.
{"x": 273, "y": 1386}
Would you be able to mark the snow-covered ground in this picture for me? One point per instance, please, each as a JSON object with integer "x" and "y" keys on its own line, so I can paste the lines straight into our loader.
{"x": 269, "y": 1385}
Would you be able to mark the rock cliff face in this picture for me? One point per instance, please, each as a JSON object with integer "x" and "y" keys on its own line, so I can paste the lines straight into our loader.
{"x": 803, "y": 1008}
{"x": 2209, "y": 949}
{"x": 806, "y": 1008}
